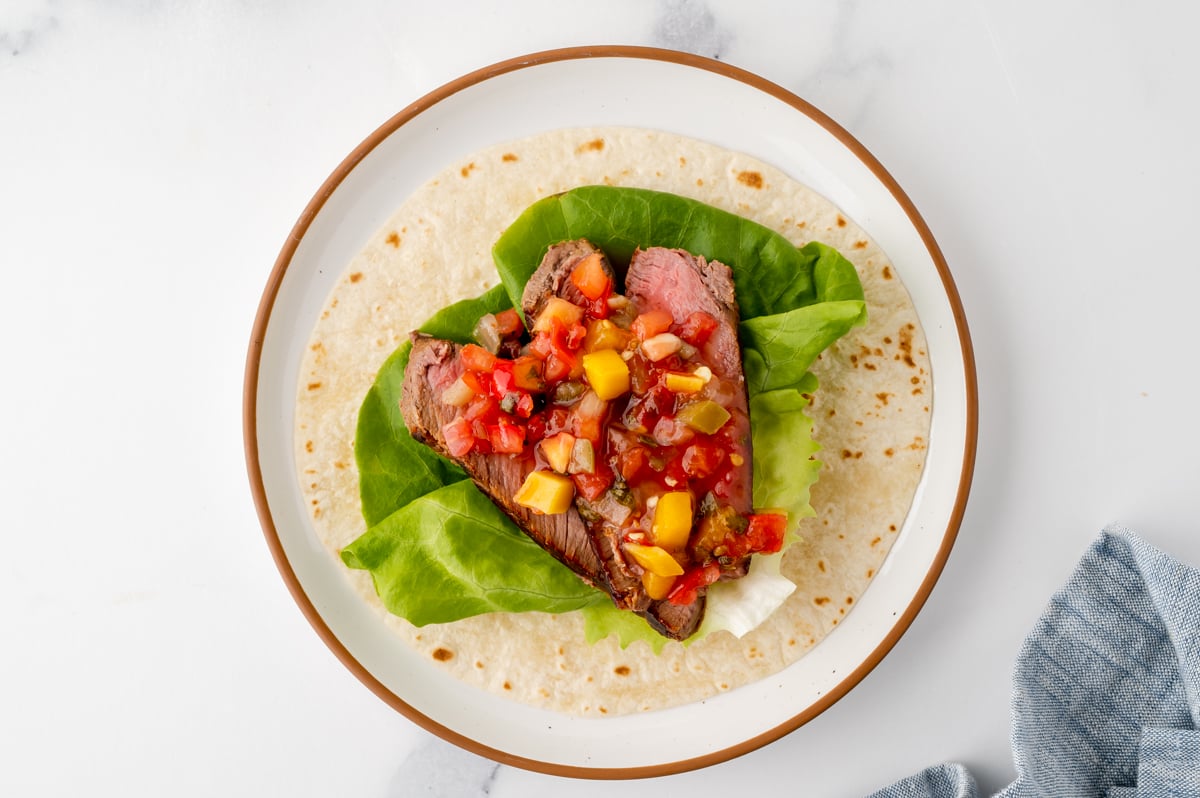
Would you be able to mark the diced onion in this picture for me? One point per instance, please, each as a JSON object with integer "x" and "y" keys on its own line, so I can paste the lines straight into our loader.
{"x": 583, "y": 457}
{"x": 458, "y": 394}
{"x": 487, "y": 333}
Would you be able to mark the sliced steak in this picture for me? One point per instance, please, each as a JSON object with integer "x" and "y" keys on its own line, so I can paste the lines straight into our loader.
{"x": 682, "y": 283}
{"x": 433, "y": 366}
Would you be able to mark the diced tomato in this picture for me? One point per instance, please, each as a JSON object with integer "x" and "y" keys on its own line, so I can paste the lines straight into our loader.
{"x": 476, "y": 358}
{"x": 506, "y": 437}
{"x": 701, "y": 459}
{"x": 503, "y": 382}
{"x": 573, "y": 336}
{"x": 524, "y": 406}
{"x": 459, "y": 436}
{"x": 592, "y": 486}
{"x": 527, "y": 374}
{"x": 557, "y": 368}
{"x": 473, "y": 382}
{"x": 535, "y": 428}
{"x": 697, "y": 328}
{"x": 482, "y": 408}
{"x": 765, "y": 531}
{"x": 631, "y": 461}
{"x": 508, "y": 322}
{"x": 591, "y": 279}
{"x": 651, "y": 323}
{"x": 687, "y": 587}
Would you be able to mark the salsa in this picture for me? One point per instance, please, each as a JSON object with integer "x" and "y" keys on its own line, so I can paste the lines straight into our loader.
{"x": 618, "y": 414}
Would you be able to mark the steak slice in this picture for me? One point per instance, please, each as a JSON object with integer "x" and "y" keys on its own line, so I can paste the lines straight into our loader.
{"x": 682, "y": 283}
{"x": 433, "y": 366}
{"x": 552, "y": 278}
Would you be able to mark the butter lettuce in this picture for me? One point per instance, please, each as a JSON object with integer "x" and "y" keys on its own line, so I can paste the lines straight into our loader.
{"x": 439, "y": 551}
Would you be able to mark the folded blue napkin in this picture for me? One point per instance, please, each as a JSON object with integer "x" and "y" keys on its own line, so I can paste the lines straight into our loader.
{"x": 1106, "y": 690}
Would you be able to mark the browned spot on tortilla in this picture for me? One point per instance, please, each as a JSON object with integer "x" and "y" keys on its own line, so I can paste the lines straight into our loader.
{"x": 889, "y": 451}
{"x": 699, "y": 181}
{"x": 750, "y": 178}
{"x": 847, "y": 454}
{"x": 478, "y": 664}
{"x": 841, "y": 222}
{"x": 724, "y": 686}
{"x": 508, "y": 685}
{"x": 887, "y": 272}
{"x": 509, "y": 157}
{"x": 876, "y": 541}
{"x": 891, "y": 527}
{"x": 312, "y": 386}
{"x": 682, "y": 161}
{"x": 334, "y": 303}
{"x": 356, "y": 276}
{"x": 603, "y": 710}
{"x": 915, "y": 380}
{"x": 849, "y": 599}
{"x": 906, "y": 339}
{"x": 870, "y": 572}
{"x": 621, "y": 670}
{"x": 821, "y": 601}
{"x": 860, "y": 244}
{"x": 393, "y": 239}
{"x": 841, "y": 610}
{"x": 792, "y": 641}
{"x": 325, "y": 315}
{"x": 831, "y": 413}
{"x": 443, "y": 654}
{"x": 883, "y": 396}
{"x": 595, "y": 145}
{"x": 560, "y": 651}
{"x": 887, "y": 339}
{"x": 339, "y": 465}
{"x": 468, "y": 169}
{"x": 802, "y": 224}
{"x": 869, "y": 366}
{"x": 917, "y": 392}
{"x": 821, "y": 566}
{"x": 308, "y": 446}
{"x": 317, "y": 512}
{"x": 835, "y": 620}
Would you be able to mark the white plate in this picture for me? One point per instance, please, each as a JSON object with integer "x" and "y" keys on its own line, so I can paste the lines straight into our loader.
{"x": 580, "y": 87}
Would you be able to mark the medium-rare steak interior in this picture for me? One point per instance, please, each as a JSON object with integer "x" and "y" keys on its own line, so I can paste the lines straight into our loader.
{"x": 615, "y": 430}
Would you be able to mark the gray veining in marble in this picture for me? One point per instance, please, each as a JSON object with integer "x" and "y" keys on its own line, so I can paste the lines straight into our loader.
{"x": 691, "y": 27}
{"x": 438, "y": 769}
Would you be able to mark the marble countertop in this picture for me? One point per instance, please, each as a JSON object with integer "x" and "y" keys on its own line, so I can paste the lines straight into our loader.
{"x": 154, "y": 158}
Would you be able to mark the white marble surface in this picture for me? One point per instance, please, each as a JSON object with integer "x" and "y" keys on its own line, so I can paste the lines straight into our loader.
{"x": 153, "y": 157}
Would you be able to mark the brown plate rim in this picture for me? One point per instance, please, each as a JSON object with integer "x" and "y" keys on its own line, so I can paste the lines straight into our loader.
{"x": 263, "y": 316}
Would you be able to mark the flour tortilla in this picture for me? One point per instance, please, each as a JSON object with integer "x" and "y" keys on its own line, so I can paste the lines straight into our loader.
{"x": 871, "y": 414}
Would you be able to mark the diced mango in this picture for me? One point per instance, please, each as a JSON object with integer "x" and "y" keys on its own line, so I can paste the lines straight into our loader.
{"x": 673, "y": 519}
{"x": 684, "y": 383}
{"x": 546, "y": 492}
{"x": 607, "y": 373}
{"x": 557, "y": 450}
{"x": 603, "y": 334}
{"x": 566, "y": 312}
{"x": 704, "y": 416}
{"x": 657, "y": 587}
{"x": 654, "y": 559}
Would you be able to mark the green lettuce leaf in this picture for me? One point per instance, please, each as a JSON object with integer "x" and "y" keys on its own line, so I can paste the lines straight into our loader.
{"x": 438, "y": 550}
{"x": 771, "y": 275}
{"x": 777, "y": 350}
{"x": 452, "y": 553}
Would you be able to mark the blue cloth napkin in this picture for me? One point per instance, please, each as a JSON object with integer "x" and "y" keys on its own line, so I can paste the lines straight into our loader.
{"x": 1106, "y": 690}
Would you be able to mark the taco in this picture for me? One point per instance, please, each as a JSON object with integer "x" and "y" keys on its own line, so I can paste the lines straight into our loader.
{"x": 871, "y": 414}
